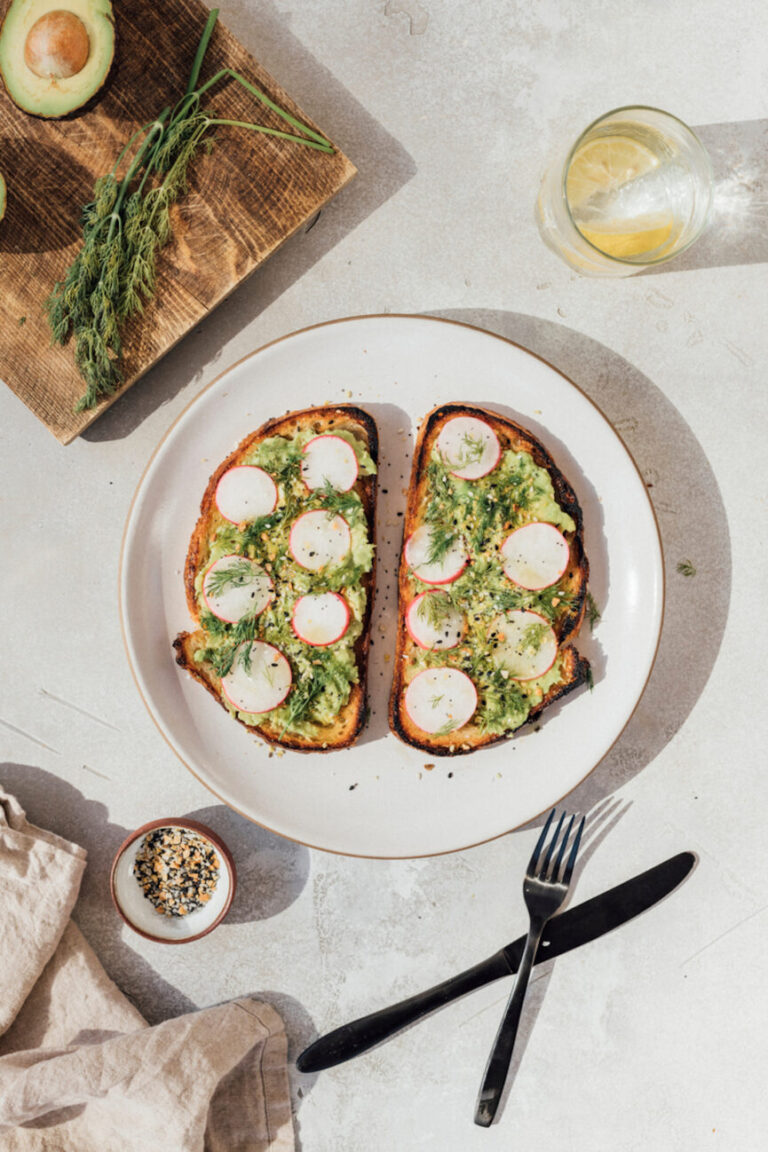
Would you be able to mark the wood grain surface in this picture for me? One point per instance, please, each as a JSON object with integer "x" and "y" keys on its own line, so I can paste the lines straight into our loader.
{"x": 246, "y": 198}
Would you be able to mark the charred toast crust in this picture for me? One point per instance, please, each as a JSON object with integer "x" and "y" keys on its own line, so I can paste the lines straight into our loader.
{"x": 349, "y": 723}
{"x": 577, "y": 672}
{"x": 576, "y": 668}
{"x": 185, "y": 644}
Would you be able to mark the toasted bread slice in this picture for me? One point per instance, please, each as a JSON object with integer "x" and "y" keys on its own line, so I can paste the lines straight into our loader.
{"x": 486, "y": 510}
{"x": 197, "y": 651}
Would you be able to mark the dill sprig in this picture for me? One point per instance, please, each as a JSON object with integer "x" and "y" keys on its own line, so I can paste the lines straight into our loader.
{"x": 238, "y": 574}
{"x": 436, "y": 608}
{"x": 472, "y": 448}
{"x": 441, "y": 540}
{"x": 470, "y": 452}
{"x": 593, "y": 612}
{"x": 242, "y": 633}
{"x": 128, "y": 223}
{"x": 301, "y": 701}
{"x": 533, "y": 636}
{"x": 338, "y": 503}
{"x": 327, "y": 675}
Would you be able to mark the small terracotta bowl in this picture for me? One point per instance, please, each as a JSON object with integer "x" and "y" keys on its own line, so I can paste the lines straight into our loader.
{"x": 140, "y": 914}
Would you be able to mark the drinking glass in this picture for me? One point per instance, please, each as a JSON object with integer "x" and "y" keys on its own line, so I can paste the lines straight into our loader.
{"x": 633, "y": 191}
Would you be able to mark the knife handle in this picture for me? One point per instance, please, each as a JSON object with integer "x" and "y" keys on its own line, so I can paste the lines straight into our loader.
{"x": 358, "y": 1036}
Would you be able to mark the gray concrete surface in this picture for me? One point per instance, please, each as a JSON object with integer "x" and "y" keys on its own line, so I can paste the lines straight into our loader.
{"x": 654, "y": 1037}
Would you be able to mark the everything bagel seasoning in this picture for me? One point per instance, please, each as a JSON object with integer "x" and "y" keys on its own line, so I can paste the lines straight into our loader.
{"x": 177, "y": 870}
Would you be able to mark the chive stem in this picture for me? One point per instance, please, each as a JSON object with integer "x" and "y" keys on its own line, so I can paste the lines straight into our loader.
{"x": 325, "y": 147}
{"x": 264, "y": 100}
{"x": 202, "y": 48}
{"x": 138, "y": 132}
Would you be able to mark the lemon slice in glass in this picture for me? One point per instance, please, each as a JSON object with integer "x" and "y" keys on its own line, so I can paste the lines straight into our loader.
{"x": 603, "y": 165}
{"x": 598, "y": 172}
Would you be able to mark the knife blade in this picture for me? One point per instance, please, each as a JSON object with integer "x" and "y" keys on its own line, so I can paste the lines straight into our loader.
{"x": 569, "y": 930}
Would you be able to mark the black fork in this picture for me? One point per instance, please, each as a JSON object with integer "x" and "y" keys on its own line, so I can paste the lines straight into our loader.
{"x": 544, "y": 890}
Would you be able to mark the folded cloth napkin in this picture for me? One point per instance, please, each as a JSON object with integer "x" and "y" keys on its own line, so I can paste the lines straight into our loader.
{"x": 80, "y": 1070}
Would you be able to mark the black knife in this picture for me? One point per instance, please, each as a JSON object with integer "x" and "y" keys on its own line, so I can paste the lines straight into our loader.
{"x": 569, "y": 930}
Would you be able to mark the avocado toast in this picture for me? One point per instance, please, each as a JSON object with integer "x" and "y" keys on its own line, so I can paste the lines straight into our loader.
{"x": 279, "y": 579}
{"x": 492, "y": 584}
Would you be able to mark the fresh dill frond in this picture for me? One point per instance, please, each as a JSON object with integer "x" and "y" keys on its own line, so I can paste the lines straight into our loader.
{"x": 446, "y": 729}
{"x": 237, "y": 575}
{"x": 338, "y": 503}
{"x": 436, "y": 608}
{"x": 212, "y": 624}
{"x": 243, "y": 633}
{"x": 252, "y": 534}
{"x": 328, "y": 675}
{"x": 533, "y": 636}
{"x": 686, "y": 568}
{"x": 221, "y": 659}
{"x": 472, "y": 448}
{"x": 301, "y": 700}
{"x": 593, "y": 612}
{"x": 441, "y": 540}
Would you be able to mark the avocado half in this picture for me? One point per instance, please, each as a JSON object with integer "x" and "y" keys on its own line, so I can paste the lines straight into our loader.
{"x": 56, "y": 54}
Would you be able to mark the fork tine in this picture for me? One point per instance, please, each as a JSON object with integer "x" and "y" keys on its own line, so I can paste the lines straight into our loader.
{"x": 544, "y": 873}
{"x": 561, "y": 853}
{"x": 574, "y": 850}
{"x": 531, "y": 871}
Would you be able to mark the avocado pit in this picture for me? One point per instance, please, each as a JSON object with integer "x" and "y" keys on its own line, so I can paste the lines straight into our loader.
{"x": 55, "y": 55}
{"x": 57, "y": 46}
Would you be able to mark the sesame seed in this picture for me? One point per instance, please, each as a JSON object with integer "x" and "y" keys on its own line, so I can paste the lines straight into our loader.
{"x": 177, "y": 870}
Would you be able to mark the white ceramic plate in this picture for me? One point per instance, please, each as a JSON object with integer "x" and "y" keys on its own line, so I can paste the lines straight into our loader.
{"x": 382, "y": 798}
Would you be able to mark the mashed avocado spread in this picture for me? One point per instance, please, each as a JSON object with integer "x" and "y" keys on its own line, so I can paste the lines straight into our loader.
{"x": 482, "y": 513}
{"x": 322, "y": 676}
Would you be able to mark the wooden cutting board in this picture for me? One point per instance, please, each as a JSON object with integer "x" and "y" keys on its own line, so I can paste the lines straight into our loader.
{"x": 246, "y": 198}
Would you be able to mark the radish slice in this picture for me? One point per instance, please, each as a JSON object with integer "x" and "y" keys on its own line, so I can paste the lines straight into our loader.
{"x": 440, "y": 700}
{"x": 441, "y": 629}
{"x": 316, "y": 540}
{"x": 260, "y": 685}
{"x": 535, "y": 556}
{"x": 417, "y": 551}
{"x": 320, "y": 618}
{"x": 469, "y": 447}
{"x": 329, "y": 460}
{"x": 245, "y": 493}
{"x": 526, "y": 644}
{"x": 235, "y": 586}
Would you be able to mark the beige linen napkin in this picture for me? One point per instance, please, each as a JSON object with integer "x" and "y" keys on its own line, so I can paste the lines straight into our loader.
{"x": 80, "y": 1071}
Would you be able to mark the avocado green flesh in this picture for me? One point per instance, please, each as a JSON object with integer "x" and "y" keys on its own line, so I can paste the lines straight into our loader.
{"x": 54, "y": 98}
{"x": 324, "y": 674}
{"x": 483, "y": 513}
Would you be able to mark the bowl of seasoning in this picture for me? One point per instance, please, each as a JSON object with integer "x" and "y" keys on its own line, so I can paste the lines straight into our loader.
{"x": 173, "y": 880}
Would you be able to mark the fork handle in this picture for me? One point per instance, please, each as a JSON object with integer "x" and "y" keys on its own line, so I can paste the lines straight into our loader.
{"x": 501, "y": 1054}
